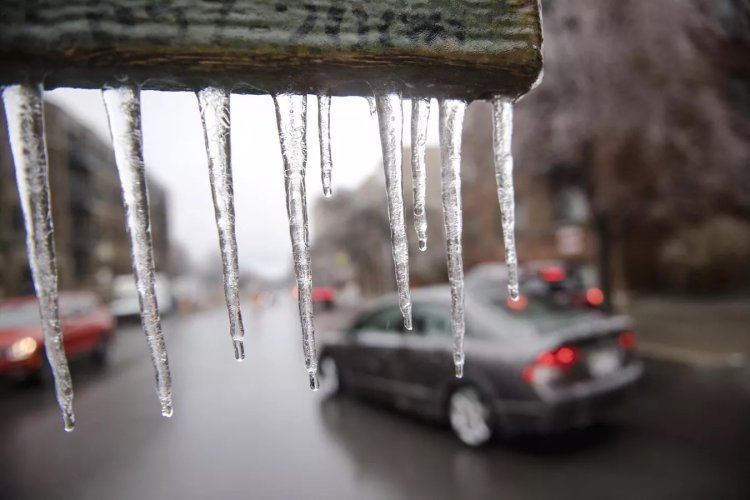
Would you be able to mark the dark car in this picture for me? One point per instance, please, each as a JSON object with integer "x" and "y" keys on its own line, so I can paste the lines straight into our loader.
{"x": 530, "y": 367}
{"x": 563, "y": 282}
{"x": 88, "y": 329}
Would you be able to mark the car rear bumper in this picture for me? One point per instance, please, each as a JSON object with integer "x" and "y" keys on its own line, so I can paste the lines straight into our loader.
{"x": 575, "y": 407}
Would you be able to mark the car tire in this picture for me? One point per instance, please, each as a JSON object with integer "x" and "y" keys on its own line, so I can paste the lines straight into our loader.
{"x": 330, "y": 378}
{"x": 470, "y": 416}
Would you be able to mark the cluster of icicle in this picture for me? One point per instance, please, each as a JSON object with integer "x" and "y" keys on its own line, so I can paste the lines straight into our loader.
{"x": 23, "y": 106}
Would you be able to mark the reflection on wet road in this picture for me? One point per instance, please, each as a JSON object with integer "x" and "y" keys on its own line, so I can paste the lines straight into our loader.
{"x": 254, "y": 430}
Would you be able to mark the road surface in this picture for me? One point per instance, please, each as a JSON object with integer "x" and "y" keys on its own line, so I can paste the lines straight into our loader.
{"x": 254, "y": 430}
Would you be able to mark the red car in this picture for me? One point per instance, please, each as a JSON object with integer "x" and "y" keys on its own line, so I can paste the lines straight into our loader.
{"x": 325, "y": 295}
{"x": 88, "y": 328}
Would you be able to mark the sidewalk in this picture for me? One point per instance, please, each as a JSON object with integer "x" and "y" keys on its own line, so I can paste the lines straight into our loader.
{"x": 702, "y": 332}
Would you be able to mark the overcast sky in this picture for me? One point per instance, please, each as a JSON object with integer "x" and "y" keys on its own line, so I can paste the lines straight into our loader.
{"x": 175, "y": 157}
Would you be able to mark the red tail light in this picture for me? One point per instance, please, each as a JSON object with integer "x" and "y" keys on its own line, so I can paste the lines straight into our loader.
{"x": 550, "y": 364}
{"x": 552, "y": 274}
{"x": 627, "y": 340}
{"x": 594, "y": 296}
{"x": 517, "y": 305}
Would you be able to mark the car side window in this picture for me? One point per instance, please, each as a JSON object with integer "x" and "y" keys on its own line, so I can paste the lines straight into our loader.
{"x": 388, "y": 319}
{"x": 432, "y": 320}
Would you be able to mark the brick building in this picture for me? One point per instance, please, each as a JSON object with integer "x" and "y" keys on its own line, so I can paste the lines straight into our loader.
{"x": 90, "y": 237}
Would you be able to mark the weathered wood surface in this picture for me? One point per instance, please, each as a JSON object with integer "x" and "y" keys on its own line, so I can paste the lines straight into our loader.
{"x": 456, "y": 48}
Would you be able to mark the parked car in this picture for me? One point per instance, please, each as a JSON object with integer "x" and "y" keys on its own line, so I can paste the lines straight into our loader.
{"x": 563, "y": 282}
{"x": 125, "y": 303}
{"x": 530, "y": 367}
{"x": 88, "y": 329}
{"x": 324, "y": 295}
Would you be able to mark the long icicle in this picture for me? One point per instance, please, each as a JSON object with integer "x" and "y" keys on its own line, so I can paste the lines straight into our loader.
{"x": 451, "y": 124}
{"x": 391, "y": 120}
{"x": 124, "y": 113}
{"x": 324, "y": 133}
{"x": 502, "y": 125}
{"x": 214, "y": 108}
{"x": 420, "y": 114}
{"x": 291, "y": 111}
{"x": 24, "y": 112}
{"x": 372, "y": 105}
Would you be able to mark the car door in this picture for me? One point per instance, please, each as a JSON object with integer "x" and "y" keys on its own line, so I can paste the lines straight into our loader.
{"x": 375, "y": 338}
{"x": 424, "y": 363}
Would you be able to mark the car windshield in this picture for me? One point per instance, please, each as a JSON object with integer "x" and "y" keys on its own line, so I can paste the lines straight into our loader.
{"x": 17, "y": 316}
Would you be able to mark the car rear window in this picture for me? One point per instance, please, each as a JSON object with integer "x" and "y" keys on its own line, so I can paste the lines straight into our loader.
{"x": 544, "y": 313}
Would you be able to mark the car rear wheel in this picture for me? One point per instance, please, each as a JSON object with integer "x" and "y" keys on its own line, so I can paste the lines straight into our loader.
{"x": 469, "y": 416}
{"x": 330, "y": 379}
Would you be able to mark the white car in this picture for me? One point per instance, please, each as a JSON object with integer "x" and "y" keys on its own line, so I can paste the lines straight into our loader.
{"x": 125, "y": 296}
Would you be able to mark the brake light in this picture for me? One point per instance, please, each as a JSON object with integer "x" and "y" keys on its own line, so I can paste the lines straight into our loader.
{"x": 627, "y": 340}
{"x": 552, "y": 274}
{"x": 550, "y": 365}
{"x": 518, "y": 304}
{"x": 566, "y": 356}
{"x": 594, "y": 296}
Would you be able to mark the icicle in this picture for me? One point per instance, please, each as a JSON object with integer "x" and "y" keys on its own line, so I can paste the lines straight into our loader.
{"x": 214, "y": 108}
{"x": 124, "y": 114}
{"x": 391, "y": 120}
{"x": 502, "y": 124}
{"x": 324, "y": 132}
{"x": 420, "y": 113}
{"x": 451, "y": 124}
{"x": 291, "y": 115}
{"x": 371, "y": 103}
{"x": 23, "y": 109}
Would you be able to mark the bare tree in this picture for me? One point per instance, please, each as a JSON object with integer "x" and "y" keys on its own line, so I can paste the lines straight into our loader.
{"x": 634, "y": 98}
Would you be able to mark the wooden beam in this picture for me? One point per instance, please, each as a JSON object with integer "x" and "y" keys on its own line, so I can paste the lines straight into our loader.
{"x": 445, "y": 48}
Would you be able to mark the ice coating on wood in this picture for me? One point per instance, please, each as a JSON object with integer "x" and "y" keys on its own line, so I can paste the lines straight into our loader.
{"x": 502, "y": 125}
{"x": 214, "y": 108}
{"x": 391, "y": 121}
{"x": 420, "y": 114}
{"x": 324, "y": 133}
{"x": 124, "y": 114}
{"x": 23, "y": 109}
{"x": 291, "y": 111}
{"x": 451, "y": 123}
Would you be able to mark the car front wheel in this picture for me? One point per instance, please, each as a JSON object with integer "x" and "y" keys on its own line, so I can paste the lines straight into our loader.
{"x": 469, "y": 417}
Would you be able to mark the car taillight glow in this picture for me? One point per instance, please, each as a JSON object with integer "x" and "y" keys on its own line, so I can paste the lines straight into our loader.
{"x": 550, "y": 364}
{"x": 566, "y": 356}
{"x": 627, "y": 340}
{"x": 594, "y": 296}
{"x": 518, "y": 304}
{"x": 552, "y": 274}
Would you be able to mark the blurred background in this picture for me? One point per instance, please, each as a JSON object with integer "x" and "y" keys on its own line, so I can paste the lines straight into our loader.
{"x": 632, "y": 205}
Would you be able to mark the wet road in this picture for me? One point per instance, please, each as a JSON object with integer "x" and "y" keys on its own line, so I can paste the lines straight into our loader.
{"x": 254, "y": 430}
